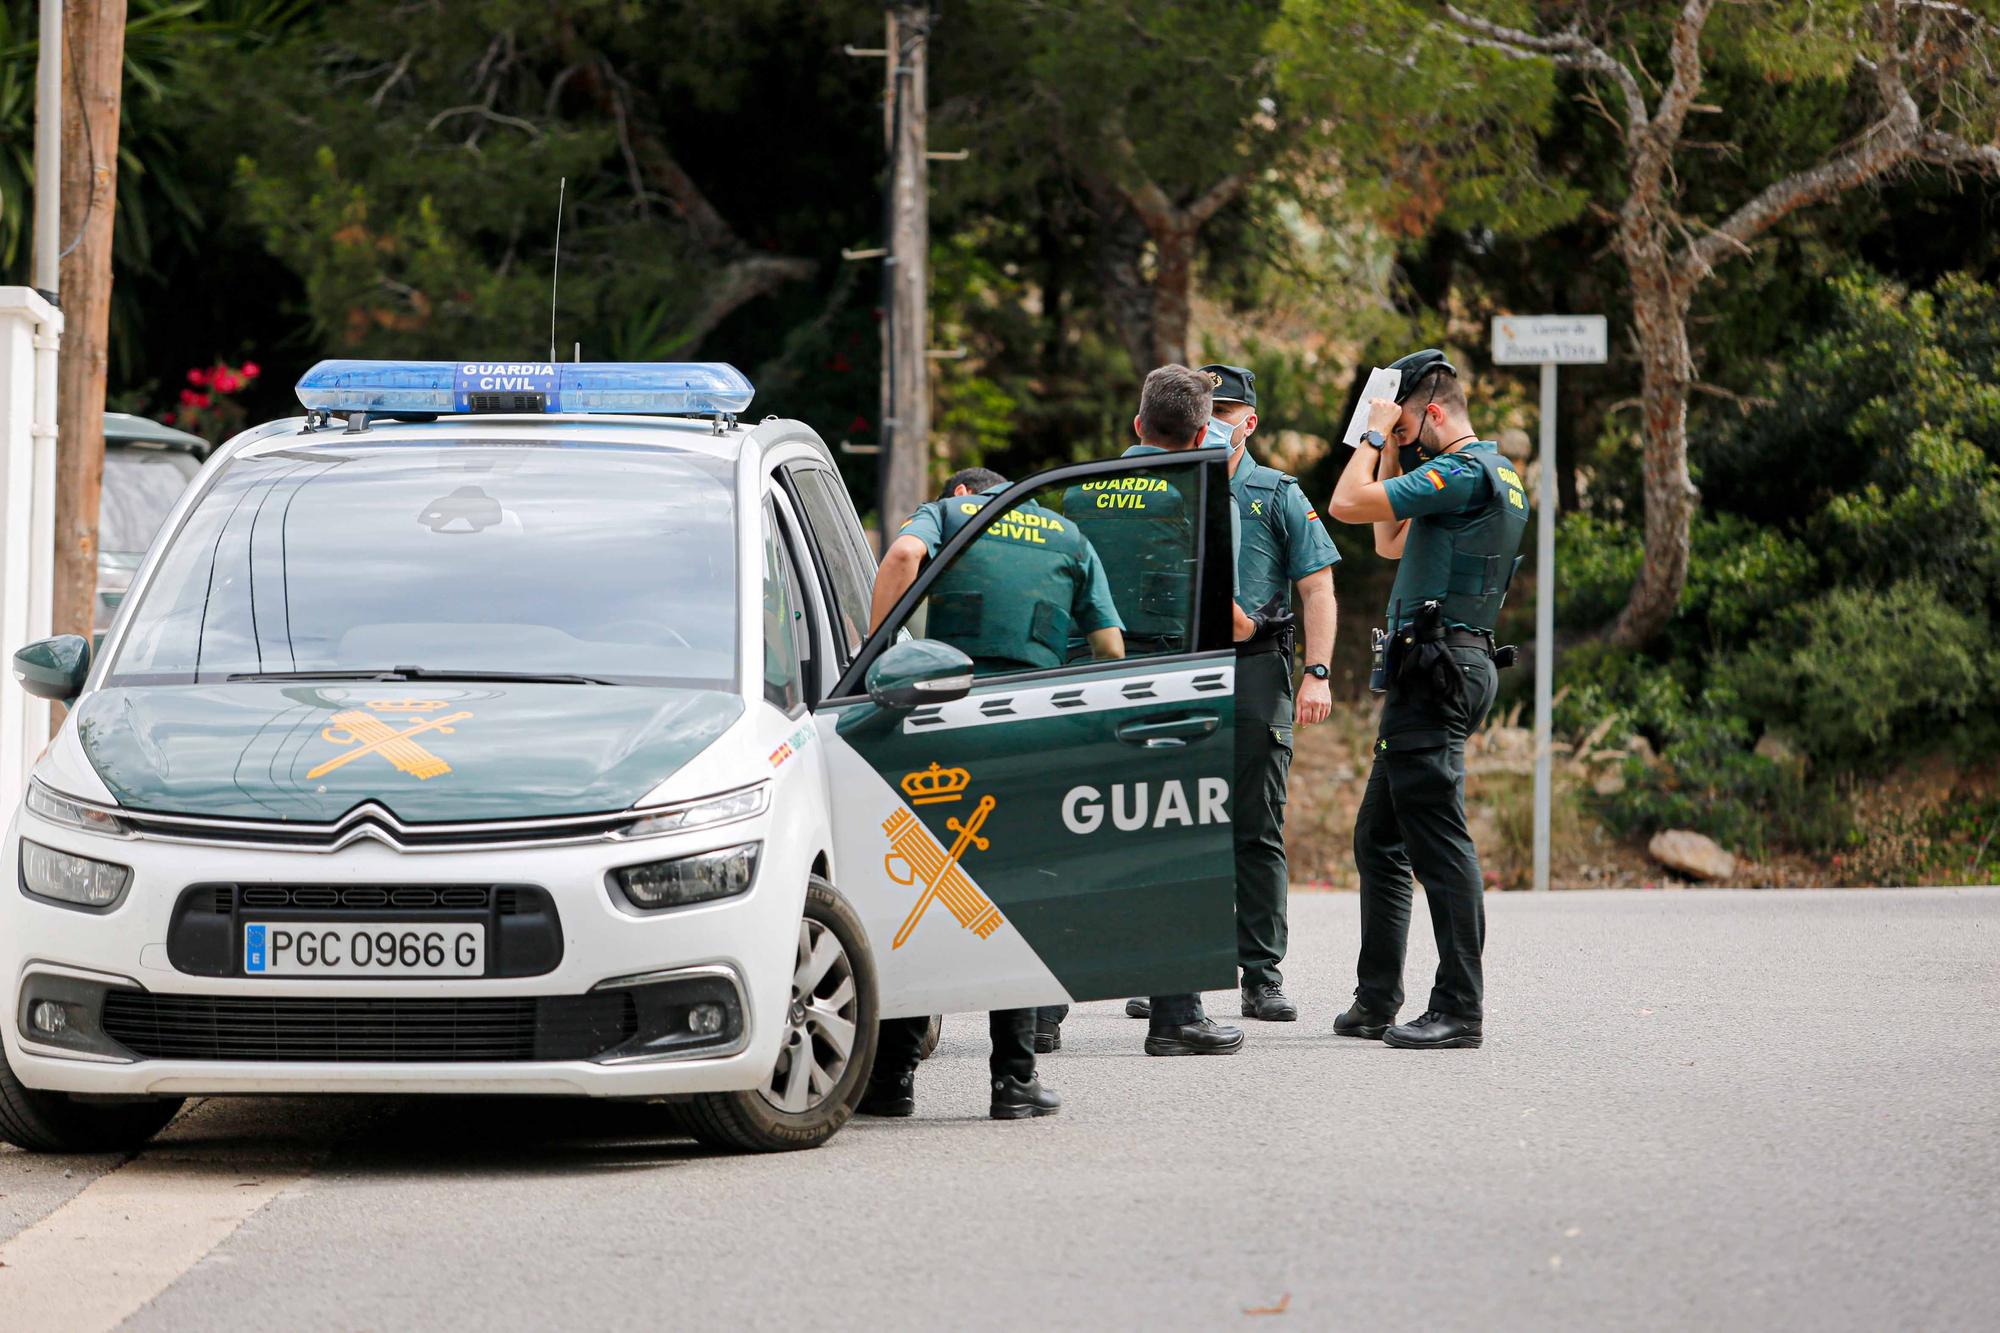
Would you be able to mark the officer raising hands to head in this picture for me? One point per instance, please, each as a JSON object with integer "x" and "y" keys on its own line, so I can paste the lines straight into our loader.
{"x": 1447, "y": 506}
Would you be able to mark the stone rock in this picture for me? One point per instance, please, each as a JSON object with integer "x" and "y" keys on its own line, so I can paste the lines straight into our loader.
{"x": 1692, "y": 854}
{"x": 1776, "y": 748}
{"x": 1609, "y": 782}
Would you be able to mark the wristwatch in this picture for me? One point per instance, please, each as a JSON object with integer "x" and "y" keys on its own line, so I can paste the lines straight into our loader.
{"x": 1317, "y": 672}
{"x": 1374, "y": 439}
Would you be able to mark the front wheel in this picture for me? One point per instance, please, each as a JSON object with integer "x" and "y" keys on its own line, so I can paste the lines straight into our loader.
{"x": 56, "y": 1122}
{"x": 829, "y": 1043}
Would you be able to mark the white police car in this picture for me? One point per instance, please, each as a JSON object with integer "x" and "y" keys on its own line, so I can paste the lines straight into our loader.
{"x": 515, "y": 729}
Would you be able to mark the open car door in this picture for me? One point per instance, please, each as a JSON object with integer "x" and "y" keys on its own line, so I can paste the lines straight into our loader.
{"x": 1032, "y": 823}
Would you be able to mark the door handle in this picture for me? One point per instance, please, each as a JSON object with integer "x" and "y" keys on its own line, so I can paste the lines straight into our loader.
{"x": 1157, "y": 733}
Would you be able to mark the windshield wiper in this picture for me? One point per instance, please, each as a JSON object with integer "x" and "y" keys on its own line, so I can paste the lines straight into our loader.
{"x": 421, "y": 673}
{"x": 515, "y": 677}
{"x": 312, "y": 675}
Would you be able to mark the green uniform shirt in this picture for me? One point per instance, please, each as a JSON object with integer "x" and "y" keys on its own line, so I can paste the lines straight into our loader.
{"x": 1453, "y": 492}
{"x": 1028, "y": 583}
{"x": 1283, "y": 539}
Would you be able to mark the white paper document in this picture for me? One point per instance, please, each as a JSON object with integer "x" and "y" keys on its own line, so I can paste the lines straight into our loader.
{"x": 1381, "y": 384}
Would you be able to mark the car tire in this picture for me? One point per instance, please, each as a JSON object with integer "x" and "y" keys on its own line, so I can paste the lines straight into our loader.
{"x": 933, "y": 1030}
{"x": 837, "y": 966}
{"x": 56, "y": 1122}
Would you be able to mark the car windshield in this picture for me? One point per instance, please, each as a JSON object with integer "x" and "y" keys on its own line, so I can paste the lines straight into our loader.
{"x": 551, "y": 559}
{"x": 140, "y": 488}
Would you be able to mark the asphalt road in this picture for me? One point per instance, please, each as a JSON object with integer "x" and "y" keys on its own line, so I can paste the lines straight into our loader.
{"x": 1694, "y": 1110}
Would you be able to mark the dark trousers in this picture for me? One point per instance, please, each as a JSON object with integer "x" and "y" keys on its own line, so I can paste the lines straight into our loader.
{"x": 1013, "y": 1032}
{"x": 1257, "y": 812}
{"x": 1172, "y": 1011}
{"x": 1412, "y": 819}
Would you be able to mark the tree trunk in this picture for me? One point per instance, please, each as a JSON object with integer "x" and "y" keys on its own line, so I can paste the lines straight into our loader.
{"x": 1659, "y": 315}
{"x": 1121, "y": 245}
{"x": 1173, "y": 292}
{"x": 94, "y": 46}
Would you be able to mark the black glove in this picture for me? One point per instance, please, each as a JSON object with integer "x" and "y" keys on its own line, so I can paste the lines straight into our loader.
{"x": 1273, "y": 620}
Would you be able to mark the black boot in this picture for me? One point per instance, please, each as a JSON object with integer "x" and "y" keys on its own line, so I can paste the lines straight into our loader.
{"x": 1435, "y": 1031}
{"x": 894, "y": 1095}
{"x": 1015, "y": 1100}
{"x": 1204, "y": 1036}
{"x": 1358, "y": 1022}
{"x": 1048, "y": 1036}
{"x": 1266, "y": 1001}
{"x": 1138, "y": 1008}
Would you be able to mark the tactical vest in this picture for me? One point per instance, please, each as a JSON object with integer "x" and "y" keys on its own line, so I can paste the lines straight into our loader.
{"x": 1261, "y": 534}
{"x": 1143, "y": 530}
{"x": 1466, "y": 560}
{"x": 1009, "y": 594}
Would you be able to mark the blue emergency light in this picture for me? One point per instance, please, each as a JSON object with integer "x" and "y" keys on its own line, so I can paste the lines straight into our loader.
{"x": 414, "y": 388}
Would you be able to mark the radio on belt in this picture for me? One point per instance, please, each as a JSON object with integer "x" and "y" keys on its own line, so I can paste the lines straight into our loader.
{"x": 435, "y": 388}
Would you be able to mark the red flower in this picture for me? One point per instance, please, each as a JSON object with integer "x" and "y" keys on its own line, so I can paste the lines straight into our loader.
{"x": 840, "y": 364}
{"x": 250, "y": 370}
{"x": 858, "y": 426}
{"x": 201, "y": 400}
{"x": 166, "y": 418}
{"x": 188, "y": 396}
{"x": 225, "y": 381}
{"x": 197, "y": 376}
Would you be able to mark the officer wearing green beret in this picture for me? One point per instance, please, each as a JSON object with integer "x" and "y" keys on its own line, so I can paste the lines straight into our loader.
{"x": 1281, "y": 546}
{"x": 1010, "y": 603}
{"x": 1452, "y": 511}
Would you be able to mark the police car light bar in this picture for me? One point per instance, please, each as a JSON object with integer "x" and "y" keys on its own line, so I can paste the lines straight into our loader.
{"x": 395, "y": 388}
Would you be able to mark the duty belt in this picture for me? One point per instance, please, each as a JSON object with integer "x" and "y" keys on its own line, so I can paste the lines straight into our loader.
{"x": 1482, "y": 639}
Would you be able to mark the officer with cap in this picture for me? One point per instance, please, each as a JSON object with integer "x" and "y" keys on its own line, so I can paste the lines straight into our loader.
{"x": 1282, "y": 546}
{"x": 1010, "y": 603}
{"x": 1452, "y": 511}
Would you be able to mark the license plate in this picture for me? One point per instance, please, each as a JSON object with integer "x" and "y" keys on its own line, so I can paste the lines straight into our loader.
{"x": 364, "y": 949}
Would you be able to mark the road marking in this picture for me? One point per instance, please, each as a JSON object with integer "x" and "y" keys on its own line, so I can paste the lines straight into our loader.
{"x": 127, "y": 1237}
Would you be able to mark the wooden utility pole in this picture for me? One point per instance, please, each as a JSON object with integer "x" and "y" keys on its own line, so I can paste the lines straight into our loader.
{"x": 906, "y": 399}
{"x": 94, "y": 51}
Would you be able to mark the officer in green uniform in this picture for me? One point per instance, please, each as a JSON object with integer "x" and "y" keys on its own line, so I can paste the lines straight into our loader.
{"x": 1452, "y": 511}
{"x": 1282, "y": 545}
{"x": 1011, "y": 603}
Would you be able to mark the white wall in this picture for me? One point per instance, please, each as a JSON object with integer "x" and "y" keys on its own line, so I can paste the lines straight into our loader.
{"x": 29, "y": 330}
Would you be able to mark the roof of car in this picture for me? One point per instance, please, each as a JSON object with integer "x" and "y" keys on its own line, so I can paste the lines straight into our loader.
{"x": 125, "y": 428}
{"x": 716, "y": 439}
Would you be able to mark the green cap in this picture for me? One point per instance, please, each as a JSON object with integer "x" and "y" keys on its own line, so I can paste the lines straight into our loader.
{"x": 1232, "y": 384}
{"x": 1417, "y": 365}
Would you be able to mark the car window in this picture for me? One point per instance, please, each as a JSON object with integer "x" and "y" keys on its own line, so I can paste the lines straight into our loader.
{"x": 1093, "y": 569}
{"x": 553, "y": 557}
{"x": 782, "y": 632}
{"x": 843, "y": 552}
{"x": 141, "y": 487}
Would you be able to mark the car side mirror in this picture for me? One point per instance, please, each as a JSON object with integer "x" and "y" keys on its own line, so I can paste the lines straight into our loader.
{"x": 56, "y": 668}
{"x": 921, "y": 671}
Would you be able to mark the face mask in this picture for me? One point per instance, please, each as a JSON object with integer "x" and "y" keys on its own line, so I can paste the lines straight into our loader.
{"x": 1221, "y": 435}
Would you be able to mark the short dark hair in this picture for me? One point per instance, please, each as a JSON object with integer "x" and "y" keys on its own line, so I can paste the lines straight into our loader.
{"x": 1438, "y": 386}
{"x": 1175, "y": 405}
{"x": 974, "y": 479}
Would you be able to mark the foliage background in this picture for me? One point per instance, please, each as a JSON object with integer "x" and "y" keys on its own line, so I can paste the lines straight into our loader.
{"x": 378, "y": 177}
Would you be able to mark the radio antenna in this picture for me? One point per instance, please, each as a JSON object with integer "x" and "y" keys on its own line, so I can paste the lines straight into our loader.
{"x": 555, "y": 267}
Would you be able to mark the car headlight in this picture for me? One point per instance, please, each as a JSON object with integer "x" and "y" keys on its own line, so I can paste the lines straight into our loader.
{"x": 76, "y": 881}
{"x": 71, "y": 813}
{"x": 699, "y": 814}
{"x": 686, "y": 880}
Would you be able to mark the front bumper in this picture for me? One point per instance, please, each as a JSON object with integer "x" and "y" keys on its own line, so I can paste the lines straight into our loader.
{"x": 600, "y": 1022}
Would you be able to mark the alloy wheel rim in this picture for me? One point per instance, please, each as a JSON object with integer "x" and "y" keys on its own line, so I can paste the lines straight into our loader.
{"x": 820, "y": 1023}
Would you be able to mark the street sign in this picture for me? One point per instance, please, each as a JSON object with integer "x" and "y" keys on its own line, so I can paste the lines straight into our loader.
{"x": 1547, "y": 341}
{"x": 1557, "y": 340}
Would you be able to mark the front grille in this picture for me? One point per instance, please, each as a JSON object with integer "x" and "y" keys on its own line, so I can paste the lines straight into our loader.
{"x": 373, "y": 821}
{"x": 524, "y": 933}
{"x": 338, "y": 898}
{"x": 344, "y": 1030}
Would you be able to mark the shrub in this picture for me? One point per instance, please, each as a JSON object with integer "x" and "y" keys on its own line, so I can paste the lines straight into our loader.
{"x": 1857, "y": 672}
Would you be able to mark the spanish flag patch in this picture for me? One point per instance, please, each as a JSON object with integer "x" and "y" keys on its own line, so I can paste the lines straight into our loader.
{"x": 1312, "y": 515}
{"x": 1436, "y": 481}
